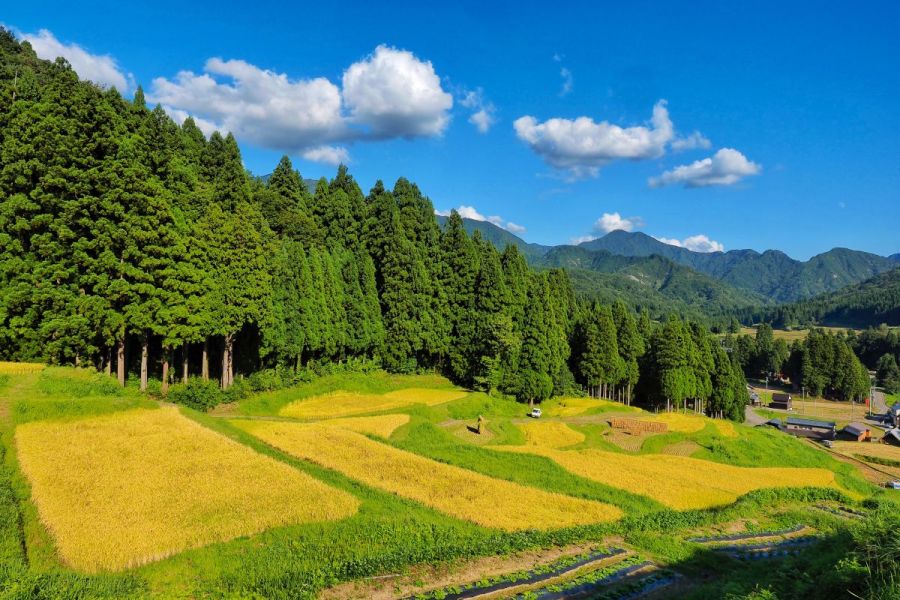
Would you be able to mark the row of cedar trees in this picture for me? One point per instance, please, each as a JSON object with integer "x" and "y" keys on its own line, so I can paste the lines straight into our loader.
{"x": 118, "y": 227}
{"x": 823, "y": 363}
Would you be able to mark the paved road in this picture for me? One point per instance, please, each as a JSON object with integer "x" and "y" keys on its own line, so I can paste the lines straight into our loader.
{"x": 879, "y": 406}
{"x": 751, "y": 418}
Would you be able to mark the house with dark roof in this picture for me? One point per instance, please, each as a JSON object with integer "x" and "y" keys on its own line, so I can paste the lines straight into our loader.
{"x": 892, "y": 436}
{"x": 809, "y": 428}
{"x": 857, "y": 432}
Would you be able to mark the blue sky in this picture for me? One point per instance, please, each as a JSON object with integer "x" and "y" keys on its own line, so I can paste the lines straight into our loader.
{"x": 794, "y": 105}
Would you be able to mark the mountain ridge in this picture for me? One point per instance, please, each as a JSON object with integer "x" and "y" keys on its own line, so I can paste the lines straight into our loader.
{"x": 771, "y": 274}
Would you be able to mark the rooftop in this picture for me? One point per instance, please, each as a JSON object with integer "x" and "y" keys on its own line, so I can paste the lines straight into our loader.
{"x": 810, "y": 423}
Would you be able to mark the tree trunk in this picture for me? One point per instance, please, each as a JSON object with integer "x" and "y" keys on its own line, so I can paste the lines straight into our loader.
{"x": 77, "y": 359}
{"x": 108, "y": 364}
{"x": 145, "y": 355}
{"x": 184, "y": 362}
{"x": 628, "y": 394}
{"x": 224, "y": 379}
{"x": 205, "y": 363}
{"x": 164, "y": 389}
{"x": 230, "y": 361}
{"x": 120, "y": 360}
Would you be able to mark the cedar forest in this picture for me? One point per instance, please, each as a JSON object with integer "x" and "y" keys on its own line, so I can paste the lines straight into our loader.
{"x": 137, "y": 245}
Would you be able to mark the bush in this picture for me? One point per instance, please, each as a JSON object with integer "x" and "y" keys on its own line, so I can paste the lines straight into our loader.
{"x": 197, "y": 394}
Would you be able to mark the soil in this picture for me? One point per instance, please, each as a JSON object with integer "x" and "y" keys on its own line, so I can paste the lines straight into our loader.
{"x": 422, "y": 578}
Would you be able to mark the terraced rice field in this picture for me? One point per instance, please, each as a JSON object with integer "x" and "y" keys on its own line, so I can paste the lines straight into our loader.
{"x": 550, "y": 434}
{"x": 343, "y": 404}
{"x": 18, "y": 368}
{"x": 458, "y": 492}
{"x": 381, "y": 425}
{"x": 678, "y": 482}
{"x": 687, "y": 423}
{"x": 570, "y": 407}
{"x": 121, "y": 490}
{"x": 685, "y": 448}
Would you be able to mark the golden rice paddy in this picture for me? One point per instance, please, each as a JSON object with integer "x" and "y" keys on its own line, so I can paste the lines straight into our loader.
{"x": 678, "y": 482}
{"x": 343, "y": 404}
{"x": 458, "y": 492}
{"x": 550, "y": 434}
{"x": 381, "y": 425}
{"x": 570, "y": 407}
{"x": 18, "y": 368}
{"x": 690, "y": 423}
{"x": 121, "y": 490}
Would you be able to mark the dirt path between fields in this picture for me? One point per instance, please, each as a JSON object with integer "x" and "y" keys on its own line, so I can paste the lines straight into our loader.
{"x": 422, "y": 578}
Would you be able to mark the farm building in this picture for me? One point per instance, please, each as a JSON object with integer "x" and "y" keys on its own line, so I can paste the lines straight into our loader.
{"x": 892, "y": 436}
{"x": 856, "y": 431}
{"x": 781, "y": 401}
{"x": 808, "y": 428}
{"x": 893, "y": 414}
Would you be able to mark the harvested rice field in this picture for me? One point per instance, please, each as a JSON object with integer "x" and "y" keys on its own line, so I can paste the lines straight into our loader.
{"x": 129, "y": 488}
{"x": 464, "y": 494}
{"x": 869, "y": 449}
{"x": 550, "y": 434}
{"x": 678, "y": 482}
{"x": 688, "y": 423}
{"x": 342, "y": 403}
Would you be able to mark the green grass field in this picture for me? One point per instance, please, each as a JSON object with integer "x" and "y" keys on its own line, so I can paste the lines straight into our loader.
{"x": 388, "y": 533}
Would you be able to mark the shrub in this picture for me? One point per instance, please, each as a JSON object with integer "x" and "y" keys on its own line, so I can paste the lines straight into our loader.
{"x": 197, "y": 394}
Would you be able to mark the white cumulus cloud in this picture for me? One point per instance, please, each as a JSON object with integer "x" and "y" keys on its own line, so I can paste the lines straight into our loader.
{"x": 725, "y": 167}
{"x": 582, "y": 145}
{"x": 470, "y": 212}
{"x": 614, "y": 221}
{"x": 396, "y": 95}
{"x": 99, "y": 68}
{"x": 257, "y": 105}
{"x": 389, "y": 94}
{"x": 695, "y": 243}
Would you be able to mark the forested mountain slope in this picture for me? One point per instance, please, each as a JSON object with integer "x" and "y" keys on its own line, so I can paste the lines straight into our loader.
{"x": 870, "y": 303}
{"x": 653, "y": 282}
{"x": 771, "y": 273}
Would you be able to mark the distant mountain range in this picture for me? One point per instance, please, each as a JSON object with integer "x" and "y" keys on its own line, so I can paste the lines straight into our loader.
{"x": 638, "y": 266}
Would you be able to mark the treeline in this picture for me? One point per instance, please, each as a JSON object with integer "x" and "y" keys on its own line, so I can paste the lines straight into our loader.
{"x": 823, "y": 363}
{"x": 866, "y": 304}
{"x": 134, "y": 244}
{"x": 879, "y": 349}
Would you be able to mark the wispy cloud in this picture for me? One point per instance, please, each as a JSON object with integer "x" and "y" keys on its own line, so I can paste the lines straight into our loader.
{"x": 483, "y": 111}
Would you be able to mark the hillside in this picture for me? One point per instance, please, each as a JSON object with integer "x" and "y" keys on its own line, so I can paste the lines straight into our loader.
{"x": 870, "y": 303}
{"x": 772, "y": 273}
{"x": 652, "y": 282}
{"x": 500, "y": 237}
